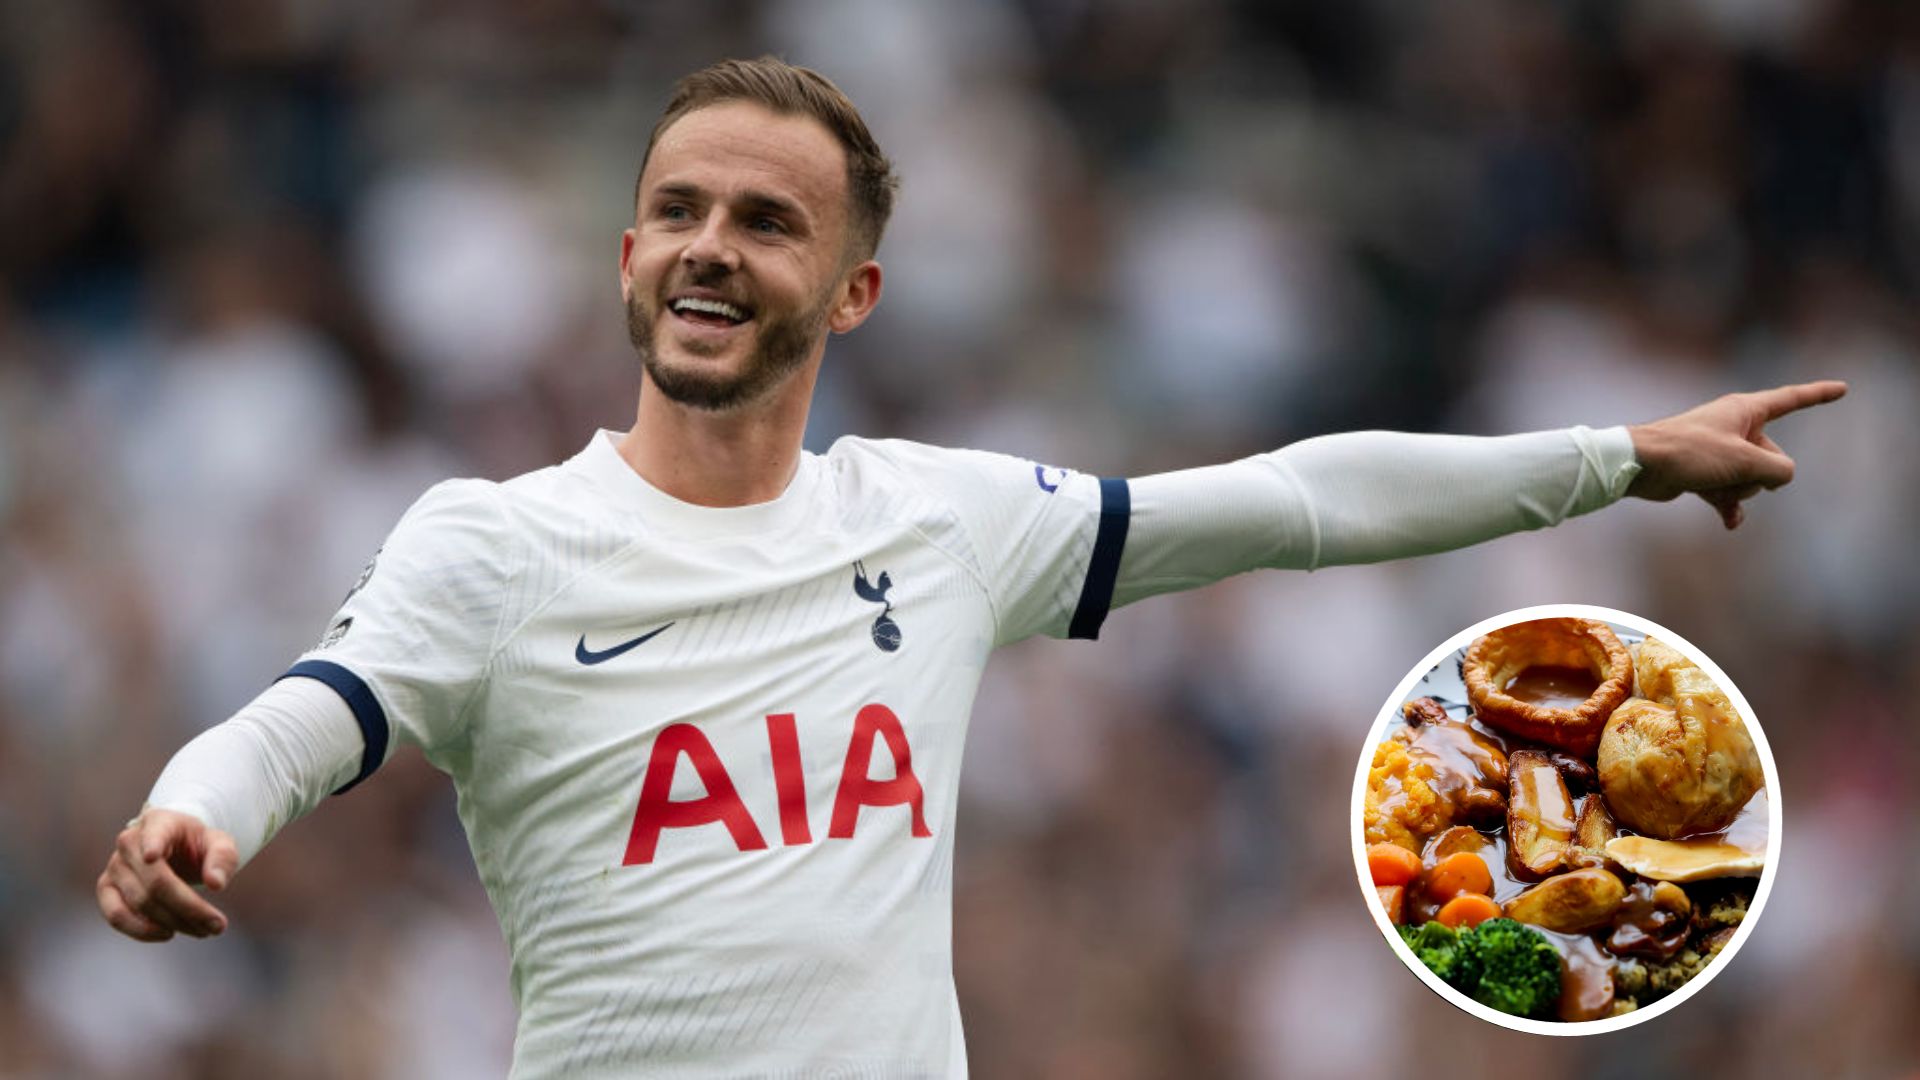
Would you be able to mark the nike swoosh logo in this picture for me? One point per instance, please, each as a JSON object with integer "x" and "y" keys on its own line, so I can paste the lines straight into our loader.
{"x": 588, "y": 656}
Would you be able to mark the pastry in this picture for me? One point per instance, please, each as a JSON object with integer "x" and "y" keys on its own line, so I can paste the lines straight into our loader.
{"x": 1576, "y": 652}
{"x": 1678, "y": 761}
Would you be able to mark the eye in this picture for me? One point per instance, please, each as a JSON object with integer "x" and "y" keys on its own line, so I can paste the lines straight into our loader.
{"x": 765, "y": 225}
{"x": 676, "y": 212}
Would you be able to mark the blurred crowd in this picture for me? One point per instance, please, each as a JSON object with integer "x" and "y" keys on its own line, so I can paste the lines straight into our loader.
{"x": 270, "y": 268}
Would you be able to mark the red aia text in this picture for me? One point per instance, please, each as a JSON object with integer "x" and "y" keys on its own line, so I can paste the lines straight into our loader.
{"x": 722, "y": 804}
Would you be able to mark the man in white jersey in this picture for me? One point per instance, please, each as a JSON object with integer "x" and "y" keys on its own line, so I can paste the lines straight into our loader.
{"x": 703, "y": 695}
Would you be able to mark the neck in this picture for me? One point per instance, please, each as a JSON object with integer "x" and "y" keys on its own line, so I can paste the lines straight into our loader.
{"x": 733, "y": 458}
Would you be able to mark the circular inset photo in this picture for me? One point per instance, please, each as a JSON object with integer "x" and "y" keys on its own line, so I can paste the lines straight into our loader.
{"x": 1564, "y": 818}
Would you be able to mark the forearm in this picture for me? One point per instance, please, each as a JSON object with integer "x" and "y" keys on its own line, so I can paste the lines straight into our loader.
{"x": 270, "y": 763}
{"x": 1362, "y": 497}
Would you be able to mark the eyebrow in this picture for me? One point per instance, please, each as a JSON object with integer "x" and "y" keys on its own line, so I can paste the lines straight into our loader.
{"x": 678, "y": 191}
{"x": 760, "y": 200}
{"x": 752, "y": 200}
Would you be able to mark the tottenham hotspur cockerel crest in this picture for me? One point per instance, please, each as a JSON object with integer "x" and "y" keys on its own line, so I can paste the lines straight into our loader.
{"x": 886, "y": 632}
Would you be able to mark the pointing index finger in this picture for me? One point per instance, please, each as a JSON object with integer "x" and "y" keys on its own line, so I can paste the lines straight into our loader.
{"x": 1782, "y": 400}
{"x": 169, "y": 893}
{"x": 158, "y": 834}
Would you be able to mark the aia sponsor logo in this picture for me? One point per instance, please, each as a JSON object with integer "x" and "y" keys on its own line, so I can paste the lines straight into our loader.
{"x": 722, "y": 804}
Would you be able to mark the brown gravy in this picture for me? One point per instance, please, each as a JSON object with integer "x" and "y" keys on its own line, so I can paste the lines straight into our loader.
{"x": 1749, "y": 829}
{"x": 1553, "y": 687}
{"x": 1586, "y": 976}
{"x": 1460, "y": 756}
{"x": 1643, "y": 927}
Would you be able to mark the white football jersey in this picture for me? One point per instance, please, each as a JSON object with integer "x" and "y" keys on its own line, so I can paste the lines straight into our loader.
{"x": 708, "y": 758}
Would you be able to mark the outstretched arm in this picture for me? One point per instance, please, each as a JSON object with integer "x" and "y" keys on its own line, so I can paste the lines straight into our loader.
{"x": 1374, "y": 495}
{"x": 422, "y": 625}
{"x": 219, "y": 801}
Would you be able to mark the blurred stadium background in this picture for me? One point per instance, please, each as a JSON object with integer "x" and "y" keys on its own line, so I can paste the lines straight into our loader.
{"x": 269, "y": 268}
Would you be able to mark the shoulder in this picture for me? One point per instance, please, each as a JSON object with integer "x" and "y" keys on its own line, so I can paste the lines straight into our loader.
{"x": 527, "y": 512}
{"x": 926, "y": 468}
{"x": 455, "y": 523}
{"x": 965, "y": 498}
{"x": 854, "y": 454}
{"x": 559, "y": 500}
{"x": 562, "y": 520}
{"x": 463, "y": 503}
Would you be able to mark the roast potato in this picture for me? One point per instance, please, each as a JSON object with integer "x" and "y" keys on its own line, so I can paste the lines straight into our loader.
{"x": 1572, "y": 903}
{"x": 1539, "y": 816}
{"x": 1591, "y": 832}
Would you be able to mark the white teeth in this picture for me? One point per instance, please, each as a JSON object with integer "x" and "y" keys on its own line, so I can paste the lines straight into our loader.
{"x": 710, "y": 307}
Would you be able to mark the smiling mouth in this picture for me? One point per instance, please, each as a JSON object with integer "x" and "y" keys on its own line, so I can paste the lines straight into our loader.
{"x": 702, "y": 311}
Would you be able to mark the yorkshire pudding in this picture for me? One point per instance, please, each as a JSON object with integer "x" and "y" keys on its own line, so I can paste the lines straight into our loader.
{"x": 1495, "y": 660}
{"x": 1680, "y": 760}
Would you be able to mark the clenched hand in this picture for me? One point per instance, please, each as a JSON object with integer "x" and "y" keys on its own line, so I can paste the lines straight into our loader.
{"x": 146, "y": 891}
{"x": 1719, "y": 450}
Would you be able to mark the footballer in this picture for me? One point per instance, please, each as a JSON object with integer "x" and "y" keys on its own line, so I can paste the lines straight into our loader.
{"x": 703, "y": 695}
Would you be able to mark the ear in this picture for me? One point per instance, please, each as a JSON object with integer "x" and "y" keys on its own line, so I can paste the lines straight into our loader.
{"x": 862, "y": 295}
{"x": 626, "y": 257}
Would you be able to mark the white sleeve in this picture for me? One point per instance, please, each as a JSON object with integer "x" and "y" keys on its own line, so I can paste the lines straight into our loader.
{"x": 270, "y": 763}
{"x": 411, "y": 645}
{"x": 1362, "y": 497}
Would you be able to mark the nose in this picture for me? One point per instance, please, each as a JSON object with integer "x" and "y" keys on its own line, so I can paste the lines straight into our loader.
{"x": 709, "y": 250}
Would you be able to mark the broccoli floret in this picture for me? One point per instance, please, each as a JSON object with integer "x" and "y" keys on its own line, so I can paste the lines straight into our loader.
{"x": 1519, "y": 969}
{"x": 1500, "y": 963}
{"x": 1439, "y": 947}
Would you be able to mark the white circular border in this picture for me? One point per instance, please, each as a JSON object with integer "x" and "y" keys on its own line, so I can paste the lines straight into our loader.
{"x": 1562, "y": 1027}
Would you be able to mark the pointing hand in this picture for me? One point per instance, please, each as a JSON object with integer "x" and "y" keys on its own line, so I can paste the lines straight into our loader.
{"x": 146, "y": 891}
{"x": 1719, "y": 450}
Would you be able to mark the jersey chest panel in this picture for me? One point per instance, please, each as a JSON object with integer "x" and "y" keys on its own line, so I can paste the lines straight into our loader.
{"x": 734, "y": 674}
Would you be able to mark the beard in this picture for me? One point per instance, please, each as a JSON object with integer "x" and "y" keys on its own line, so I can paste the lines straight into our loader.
{"x": 780, "y": 345}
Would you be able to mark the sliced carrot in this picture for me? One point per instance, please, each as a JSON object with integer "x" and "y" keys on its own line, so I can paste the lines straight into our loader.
{"x": 1460, "y": 872}
{"x": 1394, "y": 899}
{"x": 1467, "y": 909}
{"x": 1391, "y": 864}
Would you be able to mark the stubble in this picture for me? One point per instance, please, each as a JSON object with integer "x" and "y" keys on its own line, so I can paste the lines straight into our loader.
{"x": 780, "y": 346}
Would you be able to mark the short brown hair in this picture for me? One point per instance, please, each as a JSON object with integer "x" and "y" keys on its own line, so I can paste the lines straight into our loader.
{"x": 789, "y": 91}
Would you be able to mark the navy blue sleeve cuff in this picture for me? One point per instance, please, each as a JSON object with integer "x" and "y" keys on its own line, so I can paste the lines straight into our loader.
{"x": 366, "y": 711}
{"x": 1096, "y": 596}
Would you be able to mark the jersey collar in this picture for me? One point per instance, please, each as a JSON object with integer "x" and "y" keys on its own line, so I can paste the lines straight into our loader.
{"x": 601, "y": 461}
